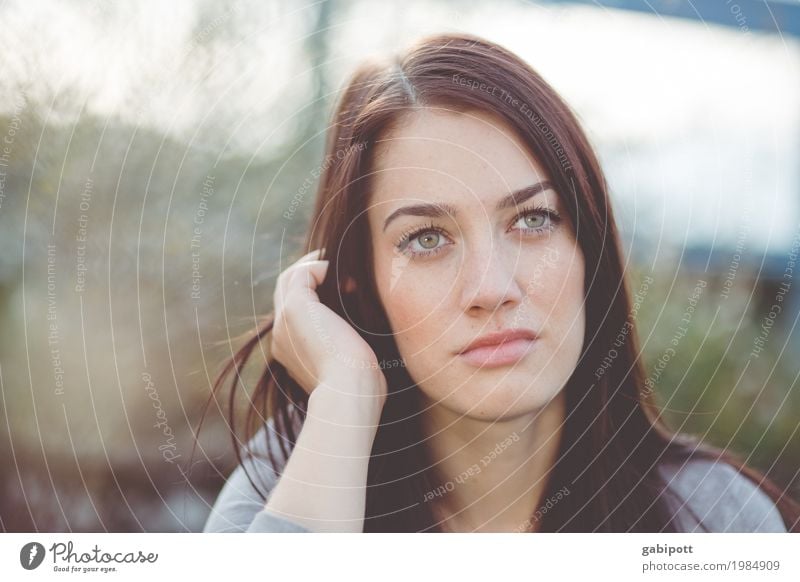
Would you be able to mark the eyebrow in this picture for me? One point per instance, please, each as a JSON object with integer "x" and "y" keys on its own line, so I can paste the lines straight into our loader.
{"x": 443, "y": 209}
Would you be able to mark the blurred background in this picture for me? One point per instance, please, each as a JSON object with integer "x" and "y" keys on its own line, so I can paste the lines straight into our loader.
{"x": 157, "y": 167}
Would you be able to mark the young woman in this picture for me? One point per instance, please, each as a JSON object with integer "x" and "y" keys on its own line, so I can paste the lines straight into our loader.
{"x": 432, "y": 363}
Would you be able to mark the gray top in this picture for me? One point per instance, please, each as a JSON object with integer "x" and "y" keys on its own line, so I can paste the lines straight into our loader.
{"x": 714, "y": 492}
{"x": 238, "y": 507}
{"x": 719, "y": 497}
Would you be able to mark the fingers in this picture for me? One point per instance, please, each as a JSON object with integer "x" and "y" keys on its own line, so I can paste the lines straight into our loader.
{"x": 301, "y": 277}
{"x": 313, "y": 255}
{"x": 315, "y": 275}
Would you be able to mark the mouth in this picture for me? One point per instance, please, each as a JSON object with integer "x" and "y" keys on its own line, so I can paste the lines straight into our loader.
{"x": 500, "y": 349}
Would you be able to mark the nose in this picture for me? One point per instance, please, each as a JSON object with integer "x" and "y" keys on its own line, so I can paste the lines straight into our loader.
{"x": 489, "y": 279}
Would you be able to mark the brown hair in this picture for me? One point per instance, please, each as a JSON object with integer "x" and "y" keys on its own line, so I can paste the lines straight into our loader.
{"x": 613, "y": 436}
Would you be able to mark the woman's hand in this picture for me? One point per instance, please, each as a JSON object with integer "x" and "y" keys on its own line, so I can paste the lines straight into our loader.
{"x": 318, "y": 348}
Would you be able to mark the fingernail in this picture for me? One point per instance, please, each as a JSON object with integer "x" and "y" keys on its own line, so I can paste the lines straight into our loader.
{"x": 309, "y": 255}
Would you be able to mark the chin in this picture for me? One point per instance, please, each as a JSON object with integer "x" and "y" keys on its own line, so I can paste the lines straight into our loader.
{"x": 492, "y": 397}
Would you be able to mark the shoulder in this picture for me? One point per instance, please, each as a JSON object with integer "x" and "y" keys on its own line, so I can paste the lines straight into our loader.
{"x": 711, "y": 495}
{"x": 240, "y": 503}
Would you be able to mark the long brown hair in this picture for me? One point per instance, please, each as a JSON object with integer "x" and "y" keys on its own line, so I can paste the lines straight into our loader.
{"x": 613, "y": 436}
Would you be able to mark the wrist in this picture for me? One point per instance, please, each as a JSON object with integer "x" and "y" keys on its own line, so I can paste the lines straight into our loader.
{"x": 355, "y": 402}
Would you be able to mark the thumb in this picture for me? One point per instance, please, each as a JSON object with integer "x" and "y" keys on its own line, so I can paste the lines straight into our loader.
{"x": 315, "y": 275}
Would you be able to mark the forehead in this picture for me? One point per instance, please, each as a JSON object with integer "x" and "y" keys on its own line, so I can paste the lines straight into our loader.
{"x": 443, "y": 154}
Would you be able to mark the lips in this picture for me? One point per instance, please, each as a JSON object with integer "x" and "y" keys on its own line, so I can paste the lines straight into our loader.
{"x": 499, "y": 349}
{"x": 498, "y": 338}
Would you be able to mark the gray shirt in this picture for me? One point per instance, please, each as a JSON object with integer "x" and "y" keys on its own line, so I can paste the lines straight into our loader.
{"x": 708, "y": 491}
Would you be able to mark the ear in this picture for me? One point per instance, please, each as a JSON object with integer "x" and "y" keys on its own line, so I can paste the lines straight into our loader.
{"x": 348, "y": 285}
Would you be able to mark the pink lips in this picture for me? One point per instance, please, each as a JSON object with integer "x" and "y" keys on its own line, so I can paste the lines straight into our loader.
{"x": 499, "y": 349}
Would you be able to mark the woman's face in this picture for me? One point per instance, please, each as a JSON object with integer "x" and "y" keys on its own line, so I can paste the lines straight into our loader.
{"x": 482, "y": 264}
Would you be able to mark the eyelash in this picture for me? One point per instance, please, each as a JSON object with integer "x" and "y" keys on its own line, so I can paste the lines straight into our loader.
{"x": 553, "y": 219}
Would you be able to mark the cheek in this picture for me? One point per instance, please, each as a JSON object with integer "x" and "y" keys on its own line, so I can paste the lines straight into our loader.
{"x": 415, "y": 302}
{"x": 559, "y": 296}
{"x": 408, "y": 295}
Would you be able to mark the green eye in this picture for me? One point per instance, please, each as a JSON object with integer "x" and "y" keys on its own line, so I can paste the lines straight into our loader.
{"x": 538, "y": 219}
{"x": 422, "y": 242}
{"x": 530, "y": 220}
{"x": 429, "y": 240}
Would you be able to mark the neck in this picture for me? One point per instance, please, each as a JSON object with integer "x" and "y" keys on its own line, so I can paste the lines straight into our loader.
{"x": 491, "y": 475}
